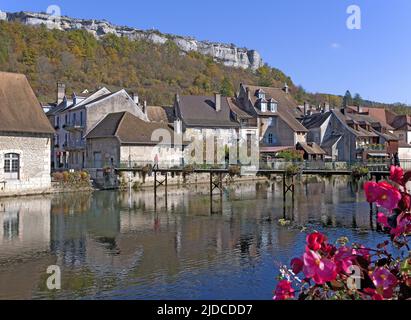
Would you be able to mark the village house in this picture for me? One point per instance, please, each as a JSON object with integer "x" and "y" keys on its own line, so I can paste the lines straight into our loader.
{"x": 350, "y": 136}
{"x": 276, "y": 114}
{"x": 124, "y": 140}
{"x": 217, "y": 125}
{"x": 73, "y": 118}
{"x": 25, "y": 138}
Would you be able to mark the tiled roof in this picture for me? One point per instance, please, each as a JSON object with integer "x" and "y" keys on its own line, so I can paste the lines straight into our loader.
{"x": 200, "y": 111}
{"x": 128, "y": 128}
{"x": 287, "y": 109}
{"x": 161, "y": 114}
{"x": 311, "y": 148}
{"x": 20, "y": 110}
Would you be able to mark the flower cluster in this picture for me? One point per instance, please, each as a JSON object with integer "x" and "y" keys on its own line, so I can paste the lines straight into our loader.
{"x": 328, "y": 271}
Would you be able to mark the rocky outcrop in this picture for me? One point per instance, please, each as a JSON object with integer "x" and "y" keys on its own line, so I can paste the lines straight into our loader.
{"x": 229, "y": 55}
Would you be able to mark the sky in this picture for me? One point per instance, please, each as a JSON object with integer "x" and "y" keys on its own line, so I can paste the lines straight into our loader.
{"x": 308, "y": 40}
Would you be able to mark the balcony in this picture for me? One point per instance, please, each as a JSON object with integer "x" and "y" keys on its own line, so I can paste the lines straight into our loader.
{"x": 74, "y": 126}
{"x": 74, "y": 145}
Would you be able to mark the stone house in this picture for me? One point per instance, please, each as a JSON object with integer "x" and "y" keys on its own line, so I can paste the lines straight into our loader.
{"x": 276, "y": 114}
{"x": 122, "y": 139}
{"x": 216, "y": 126}
{"x": 73, "y": 118}
{"x": 25, "y": 138}
{"x": 348, "y": 136}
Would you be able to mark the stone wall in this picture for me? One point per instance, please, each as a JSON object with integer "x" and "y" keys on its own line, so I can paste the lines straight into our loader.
{"x": 35, "y": 163}
{"x": 228, "y": 54}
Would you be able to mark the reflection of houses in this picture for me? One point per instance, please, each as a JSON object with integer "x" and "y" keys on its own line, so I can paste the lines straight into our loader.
{"x": 275, "y": 112}
{"x": 74, "y": 118}
{"x": 124, "y": 138}
{"x": 349, "y": 136}
{"x": 24, "y": 226}
{"x": 25, "y": 138}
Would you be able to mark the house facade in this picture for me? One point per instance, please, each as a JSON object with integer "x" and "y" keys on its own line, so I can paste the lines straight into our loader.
{"x": 215, "y": 129}
{"x": 275, "y": 112}
{"x": 25, "y": 138}
{"x": 123, "y": 139}
{"x": 349, "y": 136}
{"x": 74, "y": 118}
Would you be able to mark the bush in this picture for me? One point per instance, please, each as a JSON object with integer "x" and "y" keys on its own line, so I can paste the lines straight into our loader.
{"x": 290, "y": 155}
{"x": 359, "y": 172}
{"x": 292, "y": 170}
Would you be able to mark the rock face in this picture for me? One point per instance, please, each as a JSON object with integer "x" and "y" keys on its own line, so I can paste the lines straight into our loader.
{"x": 229, "y": 55}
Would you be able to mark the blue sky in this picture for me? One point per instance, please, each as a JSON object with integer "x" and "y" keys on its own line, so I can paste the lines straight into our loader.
{"x": 308, "y": 40}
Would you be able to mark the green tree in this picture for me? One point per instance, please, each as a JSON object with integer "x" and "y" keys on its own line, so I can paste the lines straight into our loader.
{"x": 347, "y": 101}
{"x": 226, "y": 87}
{"x": 357, "y": 100}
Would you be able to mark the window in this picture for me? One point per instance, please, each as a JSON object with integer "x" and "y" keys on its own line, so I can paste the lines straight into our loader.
{"x": 12, "y": 166}
{"x": 65, "y": 119}
{"x": 81, "y": 118}
{"x": 74, "y": 119}
{"x": 57, "y": 121}
{"x": 270, "y": 122}
{"x": 273, "y": 107}
{"x": 264, "y": 106}
{"x": 270, "y": 138}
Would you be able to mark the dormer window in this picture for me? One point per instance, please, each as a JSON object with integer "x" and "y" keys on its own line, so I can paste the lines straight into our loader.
{"x": 260, "y": 94}
{"x": 263, "y": 106}
{"x": 273, "y": 106}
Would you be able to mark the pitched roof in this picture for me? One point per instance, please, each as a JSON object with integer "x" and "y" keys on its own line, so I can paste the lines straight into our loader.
{"x": 128, "y": 128}
{"x": 200, "y": 111}
{"x": 20, "y": 110}
{"x": 240, "y": 113}
{"x": 287, "y": 108}
{"x": 311, "y": 148}
{"x": 316, "y": 120}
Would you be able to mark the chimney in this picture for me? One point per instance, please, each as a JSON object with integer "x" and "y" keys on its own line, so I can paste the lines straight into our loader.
{"x": 177, "y": 98}
{"x": 248, "y": 94}
{"x": 61, "y": 92}
{"x": 145, "y": 106}
{"x": 217, "y": 100}
{"x": 286, "y": 88}
{"x": 135, "y": 98}
{"x": 326, "y": 107}
{"x": 74, "y": 98}
{"x": 305, "y": 109}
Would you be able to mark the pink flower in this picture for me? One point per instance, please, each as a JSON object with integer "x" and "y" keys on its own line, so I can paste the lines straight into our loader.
{"x": 397, "y": 174}
{"x": 384, "y": 281}
{"x": 382, "y": 219}
{"x": 297, "y": 265}
{"x": 321, "y": 270}
{"x": 403, "y": 224}
{"x": 315, "y": 241}
{"x": 284, "y": 291}
{"x": 344, "y": 259}
{"x": 384, "y": 194}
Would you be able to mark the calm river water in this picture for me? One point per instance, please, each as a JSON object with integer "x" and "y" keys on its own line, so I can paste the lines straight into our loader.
{"x": 117, "y": 245}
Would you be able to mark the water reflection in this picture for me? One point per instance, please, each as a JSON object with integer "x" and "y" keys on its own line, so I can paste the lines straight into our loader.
{"x": 112, "y": 244}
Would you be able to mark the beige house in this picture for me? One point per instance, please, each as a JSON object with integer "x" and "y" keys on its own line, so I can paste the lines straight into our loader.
{"x": 122, "y": 140}
{"x": 25, "y": 138}
{"x": 276, "y": 114}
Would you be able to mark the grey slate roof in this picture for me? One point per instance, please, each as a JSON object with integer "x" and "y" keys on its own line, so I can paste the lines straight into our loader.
{"x": 200, "y": 111}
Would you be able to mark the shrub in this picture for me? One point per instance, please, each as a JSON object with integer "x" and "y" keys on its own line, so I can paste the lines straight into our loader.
{"x": 290, "y": 155}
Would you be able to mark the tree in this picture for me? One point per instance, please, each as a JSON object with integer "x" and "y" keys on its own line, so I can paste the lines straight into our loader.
{"x": 226, "y": 87}
{"x": 357, "y": 100}
{"x": 347, "y": 101}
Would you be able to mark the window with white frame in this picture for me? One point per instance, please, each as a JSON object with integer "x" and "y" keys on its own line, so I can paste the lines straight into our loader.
{"x": 273, "y": 106}
{"x": 12, "y": 166}
{"x": 264, "y": 106}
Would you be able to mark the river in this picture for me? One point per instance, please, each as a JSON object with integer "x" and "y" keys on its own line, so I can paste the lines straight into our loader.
{"x": 118, "y": 245}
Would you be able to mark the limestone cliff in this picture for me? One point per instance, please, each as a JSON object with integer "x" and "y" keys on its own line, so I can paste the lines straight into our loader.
{"x": 229, "y": 55}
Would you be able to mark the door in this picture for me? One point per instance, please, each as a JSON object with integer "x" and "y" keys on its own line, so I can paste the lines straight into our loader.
{"x": 97, "y": 160}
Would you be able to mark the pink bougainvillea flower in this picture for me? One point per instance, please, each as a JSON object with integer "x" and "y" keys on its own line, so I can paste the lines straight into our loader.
{"x": 297, "y": 265}
{"x": 403, "y": 226}
{"x": 382, "y": 219}
{"x": 384, "y": 194}
{"x": 321, "y": 270}
{"x": 284, "y": 291}
{"x": 315, "y": 241}
{"x": 343, "y": 259}
{"x": 384, "y": 281}
{"x": 397, "y": 174}
{"x": 405, "y": 203}
{"x": 362, "y": 251}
